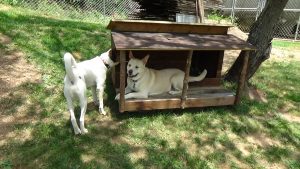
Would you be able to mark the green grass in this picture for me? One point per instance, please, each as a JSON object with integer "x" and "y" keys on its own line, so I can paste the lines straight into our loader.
{"x": 250, "y": 135}
{"x": 287, "y": 45}
{"x": 218, "y": 17}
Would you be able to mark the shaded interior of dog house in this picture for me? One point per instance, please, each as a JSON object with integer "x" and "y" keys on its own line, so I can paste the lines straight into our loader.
{"x": 189, "y": 47}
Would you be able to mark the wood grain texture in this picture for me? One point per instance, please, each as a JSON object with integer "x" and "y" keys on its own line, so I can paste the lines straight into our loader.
{"x": 163, "y": 26}
{"x": 196, "y": 97}
{"x": 175, "y": 41}
{"x": 122, "y": 81}
{"x": 186, "y": 79}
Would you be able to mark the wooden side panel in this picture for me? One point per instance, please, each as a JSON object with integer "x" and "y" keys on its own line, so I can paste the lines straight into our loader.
{"x": 171, "y": 27}
{"x": 122, "y": 81}
{"x": 152, "y": 105}
{"x": 196, "y": 97}
{"x": 115, "y": 58}
{"x": 176, "y": 103}
{"x": 205, "y": 102}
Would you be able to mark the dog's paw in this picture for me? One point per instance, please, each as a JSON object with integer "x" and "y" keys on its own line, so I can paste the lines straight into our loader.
{"x": 102, "y": 111}
{"x": 84, "y": 131}
{"x": 174, "y": 92}
{"x": 77, "y": 131}
{"x": 117, "y": 97}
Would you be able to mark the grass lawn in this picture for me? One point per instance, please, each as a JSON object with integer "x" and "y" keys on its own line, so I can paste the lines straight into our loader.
{"x": 36, "y": 130}
{"x": 287, "y": 45}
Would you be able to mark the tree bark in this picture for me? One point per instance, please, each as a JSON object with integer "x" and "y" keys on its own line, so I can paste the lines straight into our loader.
{"x": 261, "y": 35}
{"x": 200, "y": 11}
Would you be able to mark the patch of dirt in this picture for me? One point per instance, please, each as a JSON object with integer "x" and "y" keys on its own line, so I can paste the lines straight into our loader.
{"x": 4, "y": 7}
{"x": 14, "y": 102}
{"x": 285, "y": 55}
{"x": 261, "y": 140}
{"x": 290, "y": 117}
{"x": 256, "y": 94}
{"x": 14, "y": 69}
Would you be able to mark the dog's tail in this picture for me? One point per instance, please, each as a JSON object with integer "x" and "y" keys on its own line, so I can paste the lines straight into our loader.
{"x": 198, "y": 78}
{"x": 70, "y": 63}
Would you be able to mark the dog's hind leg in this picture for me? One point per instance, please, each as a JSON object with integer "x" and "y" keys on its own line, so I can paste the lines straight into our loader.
{"x": 95, "y": 98}
{"x": 177, "y": 84}
{"x": 83, "y": 106}
{"x": 73, "y": 119}
{"x": 101, "y": 107}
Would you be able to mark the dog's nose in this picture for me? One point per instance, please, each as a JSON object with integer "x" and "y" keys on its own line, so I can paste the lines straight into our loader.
{"x": 130, "y": 72}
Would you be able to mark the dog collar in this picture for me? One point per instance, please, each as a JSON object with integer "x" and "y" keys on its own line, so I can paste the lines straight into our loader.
{"x": 134, "y": 82}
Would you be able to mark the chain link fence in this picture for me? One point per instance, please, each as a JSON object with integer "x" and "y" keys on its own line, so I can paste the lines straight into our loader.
{"x": 83, "y": 10}
{"x": 245, "y": 13}
{"x": 240, "y": 12}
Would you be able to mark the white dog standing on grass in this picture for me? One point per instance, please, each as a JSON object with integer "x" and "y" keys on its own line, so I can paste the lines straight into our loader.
{"x": 79, "y": 76}
{"x": 143, "y": 81}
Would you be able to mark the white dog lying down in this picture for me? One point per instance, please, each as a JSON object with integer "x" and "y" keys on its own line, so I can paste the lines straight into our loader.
{"x": 143, "y": 81}
{"x": 79, "y": 76}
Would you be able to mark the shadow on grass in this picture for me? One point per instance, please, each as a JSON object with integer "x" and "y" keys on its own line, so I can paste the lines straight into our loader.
{"x": 44, "y": 40}
{"x": 190, "y": 138}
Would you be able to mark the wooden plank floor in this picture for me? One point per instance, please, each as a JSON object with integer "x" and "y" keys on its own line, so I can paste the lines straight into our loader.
{"x": 196, "y": 97}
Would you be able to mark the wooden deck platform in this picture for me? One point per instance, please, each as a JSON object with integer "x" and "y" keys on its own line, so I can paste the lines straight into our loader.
{"x": 196, "y": 97}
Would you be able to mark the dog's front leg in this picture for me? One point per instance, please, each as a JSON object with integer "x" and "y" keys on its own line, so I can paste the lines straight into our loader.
{"x": 101, "y": 107}
{"x": 72, "y": 115}
{"x": 127, "y": 90}
{"x": 137, "y": 95}
{"x": 83, "y": 106}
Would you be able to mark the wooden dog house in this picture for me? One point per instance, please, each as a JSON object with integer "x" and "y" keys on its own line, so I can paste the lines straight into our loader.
{"x": 189, "y": 47}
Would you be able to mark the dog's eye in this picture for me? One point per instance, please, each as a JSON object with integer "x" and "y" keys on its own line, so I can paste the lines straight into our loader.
{"x": 129, "y": 65}
{"x": 136, "y": 67}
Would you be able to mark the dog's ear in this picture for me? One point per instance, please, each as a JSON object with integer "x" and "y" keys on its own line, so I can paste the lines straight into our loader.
{"x": 145, "y": 59}
{"x": 131, "y": 55}
{"x": 109, "y": 52}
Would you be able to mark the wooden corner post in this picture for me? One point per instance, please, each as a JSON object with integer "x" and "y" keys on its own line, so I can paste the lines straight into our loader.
{"x": 122, "y": 80}
{"x": 242, "y": 78}
{"x": 186, "y": 78}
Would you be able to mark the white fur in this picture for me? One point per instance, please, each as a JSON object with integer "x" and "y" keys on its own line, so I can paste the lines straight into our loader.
{"x": 79, "y": 76}
{"x": 145, "y": 81}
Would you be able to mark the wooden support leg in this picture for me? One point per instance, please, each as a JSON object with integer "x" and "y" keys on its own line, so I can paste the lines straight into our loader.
{"x": 122, "y": 81}
{"x": 220, "y": 64}
{"x": 242, "y": 78}
{"x": 186, "y": 79}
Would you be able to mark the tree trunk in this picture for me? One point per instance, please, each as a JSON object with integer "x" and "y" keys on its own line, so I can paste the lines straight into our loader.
{"x": 200, "y": 11}
{"x": 261, "y": 35}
